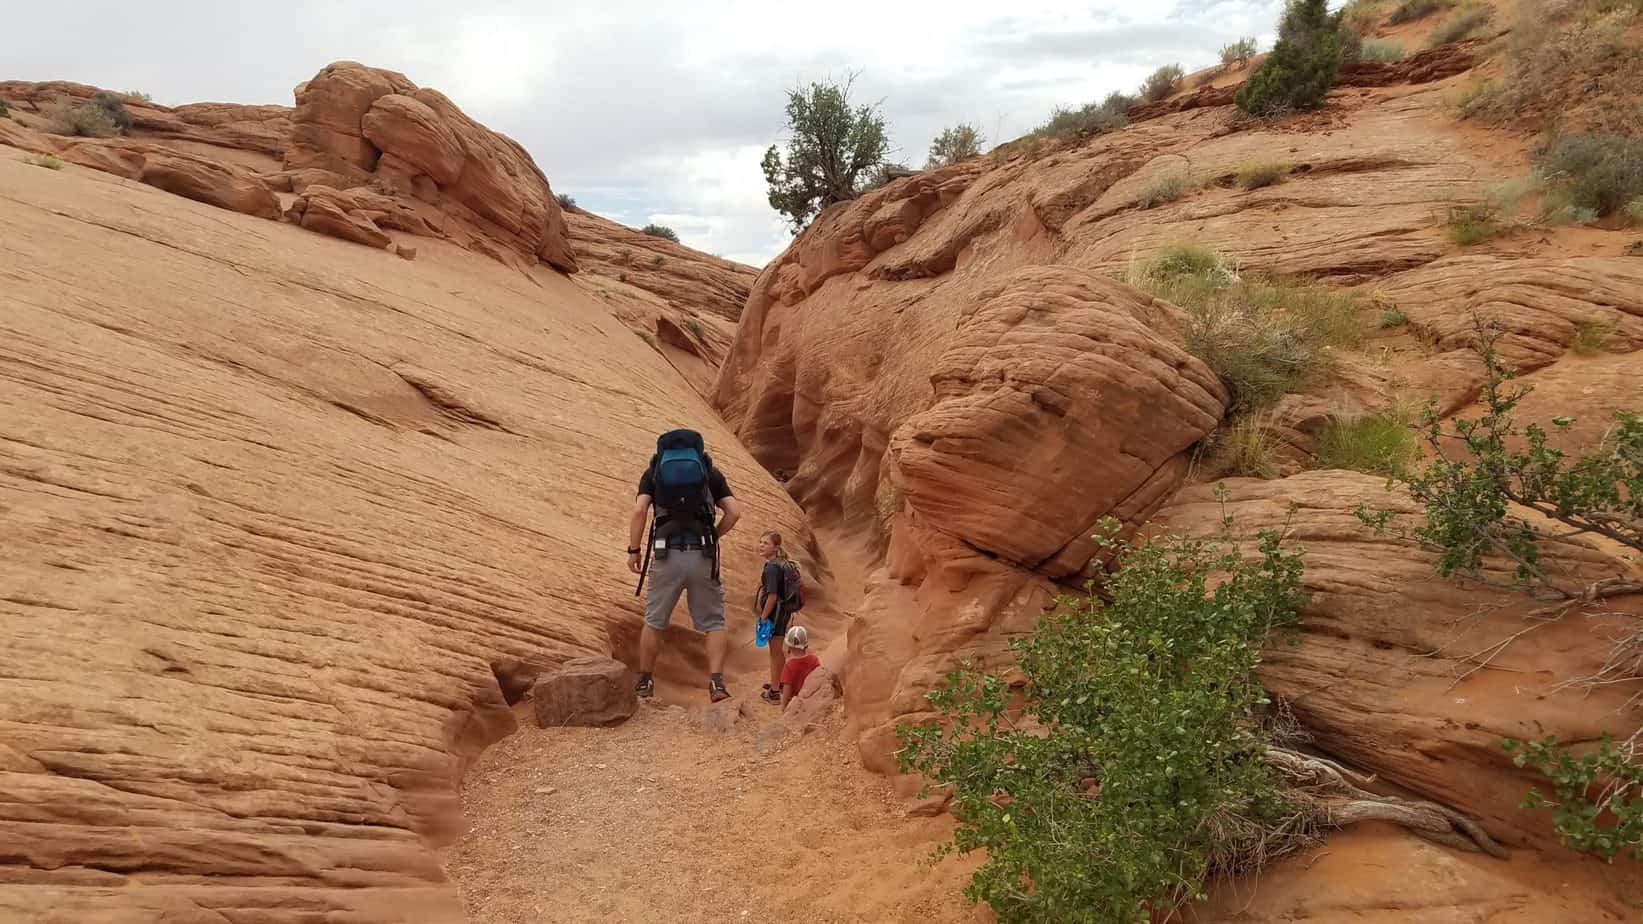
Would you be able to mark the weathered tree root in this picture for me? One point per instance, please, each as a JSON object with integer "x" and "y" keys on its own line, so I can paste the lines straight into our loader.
{"x": 1340, "y": 801}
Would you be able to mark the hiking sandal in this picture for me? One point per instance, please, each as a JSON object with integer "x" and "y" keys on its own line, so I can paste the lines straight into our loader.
{"x": 771, "y": 694}
{"x": 645, "y": 688}
{"x": 716, "y": 691}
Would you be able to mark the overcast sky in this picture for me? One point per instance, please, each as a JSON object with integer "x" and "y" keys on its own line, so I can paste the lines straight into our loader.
{"x": 647, "y": 111}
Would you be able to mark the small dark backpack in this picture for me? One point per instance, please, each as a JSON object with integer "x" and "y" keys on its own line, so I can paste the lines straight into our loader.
{"x": 792, "y": 587}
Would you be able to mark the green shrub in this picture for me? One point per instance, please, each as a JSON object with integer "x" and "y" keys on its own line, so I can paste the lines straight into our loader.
{"x": 1634, "y": 211}
{"x": 1161, "y": 83}
{"x": 1475, "y": 223}
{"x": 5, "y": 113}
{"x": 662, "y": 231}
{"x": 1237, "y": 54}
{"x": 956, "y": 143}
{"x": 1392, "y": 317}
{"x": 1381, "y": 443}
{"x": 832, "y": 146}
{"x": 1613, "y": 771}
{"x": 1163, "y": 189}
{"x": 1461, "y": 25}
{"x": 1591, "y": 337}
{"x": 1411, "y": 10}
{"x": 1138, "y": 767}
{"x": 566, "y": 201}
{"x": 1261, "y": 337}
{"x": 1091, "y": 119}
{"x": 1600, "y": 172}
{"x": 1265, "y": 173}
{"x": 48, "y": 161}
{"x": 115, "y": 109}
{"x": 1302, "y": 65}
{"x": 140, "y": 95}
{"x": 1381, "y": 50}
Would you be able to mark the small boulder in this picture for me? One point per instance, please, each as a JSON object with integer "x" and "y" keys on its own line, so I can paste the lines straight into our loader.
{"x": 721, "y": 717}
{"x": 585, "y": 691}
{"x": 806, "y": 711}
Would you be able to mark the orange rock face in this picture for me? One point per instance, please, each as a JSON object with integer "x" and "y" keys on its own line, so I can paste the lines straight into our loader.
{"x": 373, "y": 128}
{"x": 289, "y": 526}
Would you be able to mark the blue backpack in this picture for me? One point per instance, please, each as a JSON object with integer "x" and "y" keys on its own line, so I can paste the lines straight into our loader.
{"x": 680, "y": 469}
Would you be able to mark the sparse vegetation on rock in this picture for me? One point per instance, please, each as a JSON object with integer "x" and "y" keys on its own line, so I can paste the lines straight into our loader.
{"x": 1262, "y": 173}
{"x": 1362, "y": 16}
{"x": 1381, "y": 50}
{"x": 1411, "y": 10}
{"x": 1166, "y": 188}
{"x": 1245, "y": 447}
{"x": 1466, "y": 21}
{"x": 48, "y": 161}
{"x": 1575, "y": 63}
{"x": 1474, "y": 223}
{"x": 1379, "y": 443}
{"x": 103, "y": 116}
{"x": 566, "y": 201}
{"x": 1090, "y": 119}
{"x": 662, "y": 231}
{"x": 140, "y": 96}
{"x": 5, "y": 113}
{"x": 831, "y": 147}
{"x": 955, "y": 143}
{"x": 1599, "y": 172}
{"x": 1237, "y": 54}
{"x": 1302, "y": 65}
{"x": 1591, "y": 337}
{"x": 1161, "y": 83}
{"x": 1262, "y": 337}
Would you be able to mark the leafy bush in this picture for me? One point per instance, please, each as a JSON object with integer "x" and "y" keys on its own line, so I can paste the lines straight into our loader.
{"x": 1161, "y": 83}
{"x": 1381, "y": 50}
{"x": 1090, "y": 119}
{"x": 1237, "y": 54}
{"x": 662, "y": 231}
{"x": 1264, "y": 173}
{"x": 1261, "y": 337}
{"x": 1613, "y": 770}
{"x": 1302, "y": 65}
{"x": 566, "y": 201}
{"x": 1381, "y": 443}
{"x": 1166, "y": 188}
{"x": 1475, "y": 223}
{"x": 1461, "y": 25}
{"x": 1392, "y": 317}
{"x": 48, "y": 161}
{"x": 1411, "y": 10}
{"x": 1466, "y": 493}
{"x": 1600, "y": 172}
{"x": 1137, "y": 767}
{"x": 831, "y": 146}
{"x": 1591, "y": 337}
{"x": 959, "y": 142}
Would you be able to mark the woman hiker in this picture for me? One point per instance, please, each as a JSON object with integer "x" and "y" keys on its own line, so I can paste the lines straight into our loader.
{"x": 768, "y": 606}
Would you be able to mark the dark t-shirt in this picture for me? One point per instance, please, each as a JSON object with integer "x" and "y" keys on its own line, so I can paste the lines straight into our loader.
{"x": 716, "y": 485}
{"x": 771, "y": 584}
{"x": 796, "y": 670}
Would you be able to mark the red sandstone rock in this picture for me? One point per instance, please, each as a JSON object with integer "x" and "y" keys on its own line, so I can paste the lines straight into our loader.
{"x": 585, "y": 691}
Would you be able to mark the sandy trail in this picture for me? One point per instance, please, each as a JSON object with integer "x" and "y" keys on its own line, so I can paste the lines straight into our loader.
{"x": 658, "y": 819}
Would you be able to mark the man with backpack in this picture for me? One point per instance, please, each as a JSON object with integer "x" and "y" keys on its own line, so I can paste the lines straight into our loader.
{"x": 681, "y": 555}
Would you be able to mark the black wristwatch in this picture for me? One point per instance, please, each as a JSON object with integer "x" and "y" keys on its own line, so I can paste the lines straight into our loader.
{"x": 633, "y": 551}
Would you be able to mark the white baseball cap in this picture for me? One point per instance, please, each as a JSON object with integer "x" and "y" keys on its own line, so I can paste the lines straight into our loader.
{"x": 798, "y": 638}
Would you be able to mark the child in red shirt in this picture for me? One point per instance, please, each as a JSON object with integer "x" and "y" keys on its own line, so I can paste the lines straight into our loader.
{"x": 800, "y": 663}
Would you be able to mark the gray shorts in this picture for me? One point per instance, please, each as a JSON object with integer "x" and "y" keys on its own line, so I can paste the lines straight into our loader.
{"x": 690, "y": 572}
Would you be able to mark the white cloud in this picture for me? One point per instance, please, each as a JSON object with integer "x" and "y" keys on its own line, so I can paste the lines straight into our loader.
{"x": 643, "y": 111}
